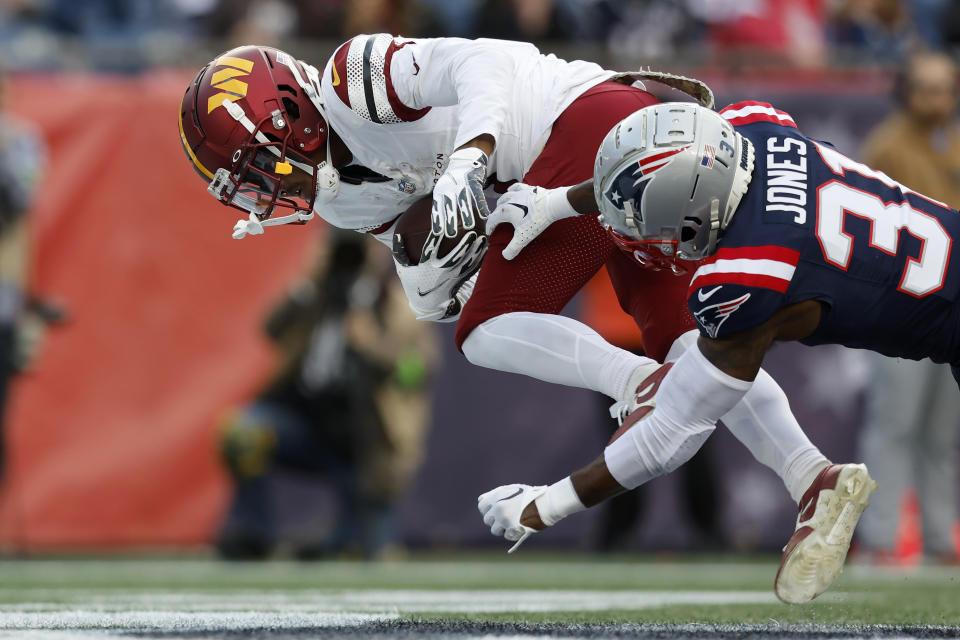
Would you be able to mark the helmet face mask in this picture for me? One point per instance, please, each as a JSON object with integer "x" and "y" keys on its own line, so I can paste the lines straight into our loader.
{"x": 266, "y": 176}
{"x": 253, "y": 125}
{"x": 658, "y": 253}
{"x": 667, "y": 179}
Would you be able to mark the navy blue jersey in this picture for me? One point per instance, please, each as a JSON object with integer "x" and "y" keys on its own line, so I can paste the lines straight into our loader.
{"x": 816, "y": 225}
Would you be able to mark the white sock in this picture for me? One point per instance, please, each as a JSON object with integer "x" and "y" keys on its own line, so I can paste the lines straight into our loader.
{"x": 763, "y": 422}
{"x": 554, "y": 349}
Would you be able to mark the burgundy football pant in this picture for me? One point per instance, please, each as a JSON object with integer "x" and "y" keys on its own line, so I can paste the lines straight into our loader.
{"x": 552, "y": 268}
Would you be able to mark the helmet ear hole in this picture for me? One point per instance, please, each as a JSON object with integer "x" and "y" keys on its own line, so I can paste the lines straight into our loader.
{"x": 689, "y": 229}
{"x": 292, "y": 108}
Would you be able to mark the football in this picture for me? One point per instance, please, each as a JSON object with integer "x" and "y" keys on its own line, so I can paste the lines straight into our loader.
{"x": 413, "y": 228}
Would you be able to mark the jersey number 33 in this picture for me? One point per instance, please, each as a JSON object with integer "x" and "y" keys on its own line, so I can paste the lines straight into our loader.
{"x": 835, "y": 198}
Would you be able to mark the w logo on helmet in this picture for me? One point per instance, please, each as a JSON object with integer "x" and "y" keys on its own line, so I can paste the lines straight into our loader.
{"x": 226, "y": 80}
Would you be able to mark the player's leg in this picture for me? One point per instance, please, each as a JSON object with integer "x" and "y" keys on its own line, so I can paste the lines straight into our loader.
{"x": 937, "y": 466}
{"x": 509, "y": 322}
{"x": 554, "y": 349}
{"x": 895, "y": 406}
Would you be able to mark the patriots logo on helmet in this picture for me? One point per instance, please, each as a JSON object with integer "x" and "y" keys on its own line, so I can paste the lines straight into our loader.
{"x": 632, "y": 181}
{"x": 711, "y": 318}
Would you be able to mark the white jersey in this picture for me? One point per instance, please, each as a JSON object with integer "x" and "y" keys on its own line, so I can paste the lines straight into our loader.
{"x": 402, "y": 106}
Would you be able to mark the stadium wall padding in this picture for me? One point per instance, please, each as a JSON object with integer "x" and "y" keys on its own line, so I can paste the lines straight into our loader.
{"x": 111, "y": 440}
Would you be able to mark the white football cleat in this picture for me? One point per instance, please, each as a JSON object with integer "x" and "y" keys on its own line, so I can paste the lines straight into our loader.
{"x": 829, "y": 512}
{"x": 643, "y": 385}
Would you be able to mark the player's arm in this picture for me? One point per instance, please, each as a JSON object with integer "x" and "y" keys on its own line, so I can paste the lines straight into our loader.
{"x": 704, "y": 384}
{"x": 530, "y": 210}
{"x": 478, "y": 76}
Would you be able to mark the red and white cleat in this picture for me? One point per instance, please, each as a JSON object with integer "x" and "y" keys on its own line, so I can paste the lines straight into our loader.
{"x": 829, "y": 512}
{"x": 642, "y": 401}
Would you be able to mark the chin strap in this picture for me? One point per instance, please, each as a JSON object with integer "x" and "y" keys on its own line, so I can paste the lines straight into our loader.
{"x": 254, "y": 226}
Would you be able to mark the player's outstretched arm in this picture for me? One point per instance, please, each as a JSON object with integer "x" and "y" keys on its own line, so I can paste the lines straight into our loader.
{"x": 530, "y": 210}
{"x": 704, "y": 384}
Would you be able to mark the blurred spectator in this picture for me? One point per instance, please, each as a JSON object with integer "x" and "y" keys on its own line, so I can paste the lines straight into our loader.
{"x": 265, "y": 22}
{"x": 949, "y": 24}
{"x": 765, "y": 31}
{"x": 919, "y": 144}
{"x": 530, "y": 20}
{"x": 348, "y": 404}
{"x": 874, "y": 30}
{"x": 927, "y": 17}
{"x": 913, "y": 422}
{"x": 451, "y": 18}
{"x": 22, "y": 321}
{"x": 375, "y": 16}
{"x": 650, "y": 29}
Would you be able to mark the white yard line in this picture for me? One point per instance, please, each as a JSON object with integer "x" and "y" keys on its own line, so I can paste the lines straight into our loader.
{"x": 67, "y": 609}
{"x": 181, "y": 621}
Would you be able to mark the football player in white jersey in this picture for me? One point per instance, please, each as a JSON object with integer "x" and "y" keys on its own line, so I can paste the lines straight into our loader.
{"x": 391, "y": 120}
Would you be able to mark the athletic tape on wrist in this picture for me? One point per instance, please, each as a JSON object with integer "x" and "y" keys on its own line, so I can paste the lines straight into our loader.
{"x": 558, "y": 501}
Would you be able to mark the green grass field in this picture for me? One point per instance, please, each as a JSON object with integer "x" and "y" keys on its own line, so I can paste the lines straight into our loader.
{"x": 479, "y": 595}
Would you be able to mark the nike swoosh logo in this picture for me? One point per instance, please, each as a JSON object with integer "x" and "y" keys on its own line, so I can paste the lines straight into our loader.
{"x": 512, "y": 495}
{"x": 522, "y": 207}
{"x": 336, "y": 76}
{"x": 703, "y": 297}
{"x": 423, "y": 294}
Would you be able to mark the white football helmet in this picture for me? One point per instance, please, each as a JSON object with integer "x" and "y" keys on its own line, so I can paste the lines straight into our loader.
{"x": 668, "y": 178}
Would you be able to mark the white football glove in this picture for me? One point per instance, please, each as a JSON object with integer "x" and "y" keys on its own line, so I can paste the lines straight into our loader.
{"x": 459, "y": 191}
{"x": 439, "y": 286}
{"x": 529, "y": 210}
{"x": 502, "y": 507}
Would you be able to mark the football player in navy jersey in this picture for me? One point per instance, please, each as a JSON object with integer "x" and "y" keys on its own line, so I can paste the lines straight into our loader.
{"x": 789, "y": 240}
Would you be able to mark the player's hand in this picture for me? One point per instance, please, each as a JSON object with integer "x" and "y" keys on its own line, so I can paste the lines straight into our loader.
{"x": 459, "y": 193}
{"x": 250, "y": 227}
{"x": 502, "y": 508}
{"x": 439, "y": 286}
{"x": 529, "y": 210}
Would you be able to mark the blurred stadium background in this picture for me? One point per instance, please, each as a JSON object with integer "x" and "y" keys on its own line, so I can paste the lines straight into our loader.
{"x": 112, "y": 436}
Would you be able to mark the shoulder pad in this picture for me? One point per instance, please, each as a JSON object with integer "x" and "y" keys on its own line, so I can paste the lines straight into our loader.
{"x": 740, "y": 288}
{"x": 360, "y": 76}
{"x": 751, "y": 111}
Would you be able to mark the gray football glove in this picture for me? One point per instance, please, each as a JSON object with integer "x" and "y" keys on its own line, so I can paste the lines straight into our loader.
{"x": 459, "y": 192}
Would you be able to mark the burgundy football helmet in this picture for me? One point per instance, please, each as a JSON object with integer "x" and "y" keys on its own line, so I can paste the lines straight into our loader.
{"x": 250, "y": 122}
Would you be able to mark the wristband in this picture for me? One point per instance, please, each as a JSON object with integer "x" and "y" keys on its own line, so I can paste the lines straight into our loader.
{"x": 558, "y": 501}
{"x": 558, "y": 205}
